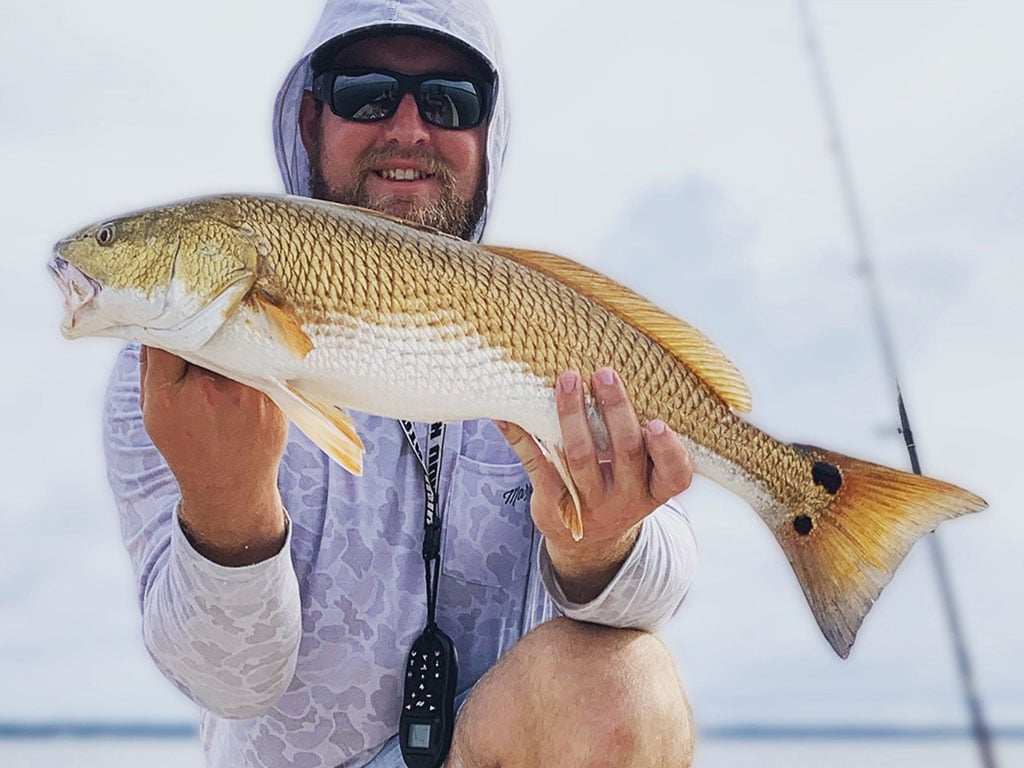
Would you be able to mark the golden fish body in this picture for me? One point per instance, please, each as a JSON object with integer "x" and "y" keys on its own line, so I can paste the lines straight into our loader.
{"x": 323, "y": 306}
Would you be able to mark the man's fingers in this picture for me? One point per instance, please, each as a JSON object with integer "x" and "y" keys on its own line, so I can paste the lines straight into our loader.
{"x": 672, "y": 469}
{"x": 161, "y": 370}
{"x": 577, "y": 439}
{"x": 629, "y": 453}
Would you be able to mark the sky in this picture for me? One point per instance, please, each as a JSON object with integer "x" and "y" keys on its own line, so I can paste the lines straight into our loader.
{"x": 681, "y": 148}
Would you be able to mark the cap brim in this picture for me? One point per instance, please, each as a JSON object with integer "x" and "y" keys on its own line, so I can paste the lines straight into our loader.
{"x": 322, "y": 58}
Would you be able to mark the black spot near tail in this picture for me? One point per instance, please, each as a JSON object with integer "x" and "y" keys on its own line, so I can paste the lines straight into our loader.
{"x": 803, "y": 524}
{"x": 827, "y": 476}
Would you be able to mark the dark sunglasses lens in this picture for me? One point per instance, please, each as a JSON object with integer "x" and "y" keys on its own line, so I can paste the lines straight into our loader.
{"x": 451, "y": 103}
{"x": 373, "y": 96}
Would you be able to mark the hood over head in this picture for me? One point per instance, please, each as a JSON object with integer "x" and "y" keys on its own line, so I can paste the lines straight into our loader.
{"x": 465, "y": 24}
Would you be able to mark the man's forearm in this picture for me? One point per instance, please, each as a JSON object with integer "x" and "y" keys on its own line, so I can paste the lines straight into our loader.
{"x": 207, "y": 626}
{"x": 584, "y": 570}
{"x": 243, "y": 530}
{"x": 227, "y": 636}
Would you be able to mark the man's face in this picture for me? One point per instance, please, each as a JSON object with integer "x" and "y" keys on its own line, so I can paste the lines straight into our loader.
{"x": 400, "y": 165}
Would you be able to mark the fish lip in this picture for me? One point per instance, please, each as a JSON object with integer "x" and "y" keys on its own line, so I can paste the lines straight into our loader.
{"x": 79, "y": 290}
{"x": 56, "y": 266}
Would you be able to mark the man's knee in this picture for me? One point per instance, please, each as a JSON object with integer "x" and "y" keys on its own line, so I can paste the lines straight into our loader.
{"x": 580, "y": 694}
{"x": 596, "y": 667}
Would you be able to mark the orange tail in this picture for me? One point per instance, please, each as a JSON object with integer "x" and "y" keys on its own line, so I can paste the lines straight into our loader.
{"x": 846, "y": 551}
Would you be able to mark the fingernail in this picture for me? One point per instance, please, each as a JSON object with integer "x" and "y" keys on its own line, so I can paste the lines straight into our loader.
{"x": 501, "y": 425}
{"x": 657, "y": 427}
{"x": 567, "y": 381}
{"x": 606, "y": 376}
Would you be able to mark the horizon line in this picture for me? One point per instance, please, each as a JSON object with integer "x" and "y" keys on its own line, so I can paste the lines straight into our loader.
{"x": 156, "y": 730}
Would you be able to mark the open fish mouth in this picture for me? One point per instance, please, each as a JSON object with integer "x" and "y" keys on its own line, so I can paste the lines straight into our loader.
{"x": 78, "y": 288}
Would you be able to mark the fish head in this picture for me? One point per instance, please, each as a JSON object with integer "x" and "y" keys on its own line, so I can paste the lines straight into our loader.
{"x": 112, "y": 274}
{"x": 165, "y": 276}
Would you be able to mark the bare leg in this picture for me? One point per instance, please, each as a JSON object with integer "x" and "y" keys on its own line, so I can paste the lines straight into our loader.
{"x": 575, "y": 695}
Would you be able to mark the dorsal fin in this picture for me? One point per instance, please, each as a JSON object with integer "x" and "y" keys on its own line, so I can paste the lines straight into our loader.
{"x": 682, "y": 340}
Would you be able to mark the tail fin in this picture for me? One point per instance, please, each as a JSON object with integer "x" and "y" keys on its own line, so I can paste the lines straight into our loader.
{"x": 847, "y": 550}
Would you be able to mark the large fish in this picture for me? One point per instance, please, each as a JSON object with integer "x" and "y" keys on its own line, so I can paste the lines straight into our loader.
{"x": 323, "y": 306}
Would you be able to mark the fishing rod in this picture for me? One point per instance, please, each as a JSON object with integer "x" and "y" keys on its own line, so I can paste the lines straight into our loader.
{"x": 865, "y": 266}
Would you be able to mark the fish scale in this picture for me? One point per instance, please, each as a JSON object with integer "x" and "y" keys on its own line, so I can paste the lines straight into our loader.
{"x": 323, "y": 306}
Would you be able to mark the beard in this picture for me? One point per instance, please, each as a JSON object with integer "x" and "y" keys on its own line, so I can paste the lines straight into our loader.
{"x": 448, "y": 213}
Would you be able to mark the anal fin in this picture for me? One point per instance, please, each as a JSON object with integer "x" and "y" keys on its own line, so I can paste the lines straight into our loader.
{"x": 569, "y": 505}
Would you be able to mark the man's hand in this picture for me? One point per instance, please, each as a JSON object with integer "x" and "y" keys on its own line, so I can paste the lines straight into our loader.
{"x": 642, "y": 469}
{"x": 223, "y": 441}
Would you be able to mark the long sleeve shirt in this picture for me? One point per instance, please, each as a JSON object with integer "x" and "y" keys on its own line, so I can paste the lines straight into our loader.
{"x": 298, "y": 660}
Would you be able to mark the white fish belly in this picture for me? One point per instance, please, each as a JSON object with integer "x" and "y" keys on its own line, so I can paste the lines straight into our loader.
{"x": 424, "y": 374}
{"x": 412, "y": 372}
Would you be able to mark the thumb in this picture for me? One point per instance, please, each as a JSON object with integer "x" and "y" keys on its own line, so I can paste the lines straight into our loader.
{"x": 160, "y": 368}
{"x": 156, "y": 369}
{"x": 143, "y": 360}
{"x": 526, "y": 448}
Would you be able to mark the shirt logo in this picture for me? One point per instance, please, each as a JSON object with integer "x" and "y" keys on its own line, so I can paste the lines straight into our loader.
{"x": 514, "y": 495}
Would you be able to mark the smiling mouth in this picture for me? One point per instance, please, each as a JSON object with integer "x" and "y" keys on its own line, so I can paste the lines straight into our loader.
{"x": 403, "y": 174}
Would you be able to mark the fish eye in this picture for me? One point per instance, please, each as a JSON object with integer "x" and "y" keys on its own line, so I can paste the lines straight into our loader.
{"x": 105, "y": 234}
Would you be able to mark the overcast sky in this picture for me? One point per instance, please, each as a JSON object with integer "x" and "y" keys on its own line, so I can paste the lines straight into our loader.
{"x": 679, "y": 146}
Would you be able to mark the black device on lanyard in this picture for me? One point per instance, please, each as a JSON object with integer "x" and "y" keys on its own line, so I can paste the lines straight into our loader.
{"x": 428, "y": 705}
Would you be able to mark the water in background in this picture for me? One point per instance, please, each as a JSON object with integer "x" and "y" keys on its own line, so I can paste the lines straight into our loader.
{"x": 711, "y": 753}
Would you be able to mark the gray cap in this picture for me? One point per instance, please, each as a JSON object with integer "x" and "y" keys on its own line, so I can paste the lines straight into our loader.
{"x": 324, "y": 55}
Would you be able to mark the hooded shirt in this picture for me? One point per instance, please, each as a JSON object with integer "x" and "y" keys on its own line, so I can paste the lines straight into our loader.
{"x": 466, "y": 24}
{"x": 299, "y": 660}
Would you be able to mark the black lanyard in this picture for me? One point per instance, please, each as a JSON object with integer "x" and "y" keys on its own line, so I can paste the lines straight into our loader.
{"x": 427, "y": 720}
{"x": 431, "y": 506}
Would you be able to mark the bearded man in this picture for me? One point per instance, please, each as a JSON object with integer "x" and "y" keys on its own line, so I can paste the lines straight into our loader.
{"x": 283, "y": 595}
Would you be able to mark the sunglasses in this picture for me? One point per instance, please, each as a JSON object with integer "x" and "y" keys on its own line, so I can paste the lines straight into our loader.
{"x": 448, "y": 101}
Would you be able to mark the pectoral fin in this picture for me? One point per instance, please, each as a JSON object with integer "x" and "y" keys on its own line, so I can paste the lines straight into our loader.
{"x": 284, "y": 327}
{"x": 569, "y": 505}
{"x": 329, "y": 427}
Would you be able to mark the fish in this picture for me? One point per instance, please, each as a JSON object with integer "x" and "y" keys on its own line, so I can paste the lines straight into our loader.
{"x": 326, "y": 307}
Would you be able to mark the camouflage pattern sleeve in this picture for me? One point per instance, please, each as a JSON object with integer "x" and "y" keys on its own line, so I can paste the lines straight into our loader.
{"x": 227, "y": 637}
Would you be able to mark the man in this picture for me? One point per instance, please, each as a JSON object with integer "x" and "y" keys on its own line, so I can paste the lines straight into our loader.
{"x": 283, "y": 595}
